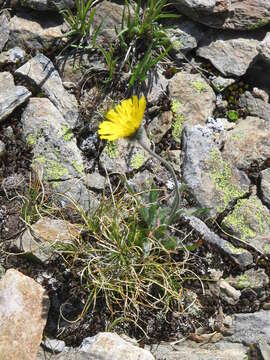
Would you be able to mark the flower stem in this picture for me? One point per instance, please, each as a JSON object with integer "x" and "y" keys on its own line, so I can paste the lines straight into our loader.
{"x": 169, "y": 167}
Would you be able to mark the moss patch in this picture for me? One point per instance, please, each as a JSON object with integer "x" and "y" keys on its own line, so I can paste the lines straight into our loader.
{"x": 199, "y": 86}
{"x": 178, "y": 120}
{"x": 67, "y": 133}
{"x": 221, "y": 174}
{"x": 78, "y": 167}
{"x": 111, "y": 150}
{"x": 31, "y": 139}
{"x": 55, "y": 170}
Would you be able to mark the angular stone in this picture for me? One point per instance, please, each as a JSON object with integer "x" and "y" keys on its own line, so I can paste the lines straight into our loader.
{"x": 56, "y": 157}
{"x": 43, "y": 235}
{"x": 251, "y": 328}
{"x": 253, "y": 279}
{"x": 47, "y": 5}
{"x": 220, "y": 83}
{"x": 11, "y": 96}
{"x": 154, "y": 87}
{"x": 15, "y": 55}
{"x": 40, "y": 71}
{"x": 264, "y": 48}
{"x": 4, "y": 30}
{"x": 213, "y": 181}
{"x": 248, "y": 145}
{"x": 108, "y": 346}
{"x": 95, "y": 181}
{"x": 228, "y": 293}
{"x": 193, "y": 100}
{"x": 232, "y": 56}
{"x": 241, "y": 257}
{"x": 159, "y": 126}
{"x": 23, "y": 315}
{"x": 195, "y": 351}
{"x": 123, "y": 156}
{"x": 255, "y": 106}
{"x": 234, "y": 14}
{"x": 35, "y": 32}
{"x": 250, "y": 222}
{"x": 265, "y": 186}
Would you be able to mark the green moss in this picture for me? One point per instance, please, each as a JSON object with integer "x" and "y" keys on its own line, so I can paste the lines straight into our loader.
{"x": 248, "y": 219}
{"x": 266, "y": 249}
{"x": 67, "y": 133}
{"x": 78, "y": 167}
{"x": 111, "y": 150}
{"x": 176, "y": 106}
{"x": 199, "y": 86}
{"x": 137, "y": 160}
{"x": 221, "y": 174}
{"x": 236, "y": 137}
{"x": 31, "y": 139}
{"x": 232, "y": 115}
{"x": 40, "y": 159}
{"x": 55, "y": 170}
{"x": 234, "y": 250}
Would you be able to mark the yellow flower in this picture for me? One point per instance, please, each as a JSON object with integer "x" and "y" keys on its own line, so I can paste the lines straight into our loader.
{"x": 124, "y": 120}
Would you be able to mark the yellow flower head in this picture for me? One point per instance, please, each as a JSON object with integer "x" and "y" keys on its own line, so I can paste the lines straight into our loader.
{"x": 124, "y": 120}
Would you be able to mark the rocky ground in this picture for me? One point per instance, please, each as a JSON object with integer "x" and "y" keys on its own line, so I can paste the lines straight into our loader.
{"x": 208, "y": 112}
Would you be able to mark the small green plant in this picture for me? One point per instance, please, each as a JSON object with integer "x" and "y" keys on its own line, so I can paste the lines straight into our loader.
{"x": 80, "y": 23}
{"x": 232, "y": 115}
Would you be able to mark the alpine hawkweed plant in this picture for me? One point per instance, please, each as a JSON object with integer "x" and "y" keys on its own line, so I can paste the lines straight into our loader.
{"x": 125, "y": 121}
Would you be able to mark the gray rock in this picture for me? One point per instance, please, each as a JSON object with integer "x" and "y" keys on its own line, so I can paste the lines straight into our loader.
{"x": 213, "y": 181}
{"x": 250, "y": 328}
{"x": 107, "y": 346}
{"x": 193, "y": 101}
{"x": 255, "y": 106}
{"x": 253, "y": 279}
{"x": 264, "y": 348}
{"x": 15, "y": 55}
{"x": 265, "y": 186}
{"x": 123, "y": 156}
{"x": 11, "y": 96}
{"x": 159, "y": 126}
{"x": 247, "y": 145}
{"x": 47, "y": 5}
{"x": 236, "y": 14}
{"x": 35, "y": 32}
{"x": 2, "y": 150}
{"x": 95, "y": 181}
{"x": 194, "y": 351}
{"x": 56, "y": 157}
{"x": 264, "y": 48}
{"x": 241, "y": 257}
{"x": 40, "y": 71}
{"x": 184, "y": 37}
{"x": 220, "y": 83}
{"x": 23, "y": 314}
{"x": 228, "y": 293}
{"x": 154, "y": 87}
{"x": 250, "y": 222}
{"x": 39, "y": 241}
{"x": 232, "y": 56}
{"x": 4, "y": 30}
{"x": 53, "y": 345}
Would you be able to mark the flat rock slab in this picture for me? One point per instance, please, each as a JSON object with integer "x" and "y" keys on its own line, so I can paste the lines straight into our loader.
{"x": 234, "y": 14}
{"x": 250, "y": 222}
{"x": 212, "y": 181}
{"x": 232, "y": 56}
{"x": 47, "y": 5}
{"x": 11, "y": 96}
{"x": 56, "y": 157}
{"x": 4, "y": 30}
{"x": 193, "y": 351}
{"x": 44, "y": 235}
{"x": 265, "y": 186}
{"x": 35, "y": 32}
{"x": 253, "y": 279}
{"x": 40, "y": 71}
{"x": 255, "y": 106}
{"x": 239, "y": 256}
{"x": 193, "y": 100}
{"x": 251, "y": 328}
{"x": 123, "y": 156}
{"x": 23, "y": 315}
{"x": 248, "y": 145}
